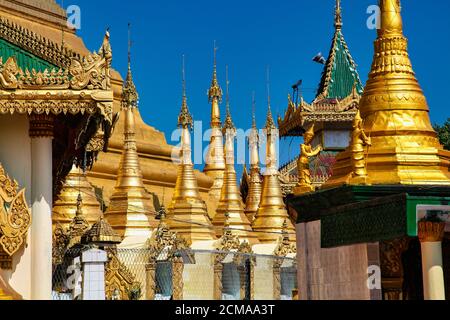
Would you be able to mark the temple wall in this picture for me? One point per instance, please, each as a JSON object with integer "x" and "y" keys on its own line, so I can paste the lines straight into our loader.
{"x": 264, "y": 279}
{"x": 330, "y": 274}
{"x": 15, "y": 156}
{"x": 198, "y": 278}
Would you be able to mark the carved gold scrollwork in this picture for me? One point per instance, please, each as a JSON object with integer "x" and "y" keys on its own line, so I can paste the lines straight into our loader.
{"x": 283, "y": 249}
{"x": 15, "y": 216}
{"x": 118, "y": 279}
{"x": 8, "y": 72}
{"x": 167, "y": 241}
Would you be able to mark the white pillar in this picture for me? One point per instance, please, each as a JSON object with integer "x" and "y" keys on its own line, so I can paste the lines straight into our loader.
{"x": 94, "y": 274}
{"x": 431, "y": 235}
{"x": 41, "y": 127}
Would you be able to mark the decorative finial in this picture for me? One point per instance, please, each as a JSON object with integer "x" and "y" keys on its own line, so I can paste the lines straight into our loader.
{"x": 215, "y": 92}
{"x": 130, "y": 96}
{"x": 391, "y": 19}
{"x": 270, "y": 124}
{"x": 229, "y": 125}
{"x": 254, "y": 111}
{"x": 338, "y": 15}
{"x": 185, "y": 118}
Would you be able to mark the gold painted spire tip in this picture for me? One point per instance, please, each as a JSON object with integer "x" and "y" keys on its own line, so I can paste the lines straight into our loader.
{"x": 185, "y": 118}
{"x": 338, "y": 15}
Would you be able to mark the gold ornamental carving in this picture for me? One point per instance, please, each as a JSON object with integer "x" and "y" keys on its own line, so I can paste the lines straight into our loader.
{"x": 166, "y": 245}
{"x": 15, "y": 218}
{"x": 118, "y": 279}
{"x": 283, "y": 249}
{"x": 91, "y": 72}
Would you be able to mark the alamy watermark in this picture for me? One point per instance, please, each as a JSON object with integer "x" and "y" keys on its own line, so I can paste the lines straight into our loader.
{"x": 73, "y": 17}
{"x": 374, "y": 279}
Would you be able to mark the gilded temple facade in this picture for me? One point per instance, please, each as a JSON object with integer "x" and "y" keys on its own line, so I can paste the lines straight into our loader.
{"x": 114, "y": 197}
{"x": 86, "y": 185}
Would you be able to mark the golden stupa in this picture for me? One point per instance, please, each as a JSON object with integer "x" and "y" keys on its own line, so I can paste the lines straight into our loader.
{"x": 188, "y": 215}
{"x": 404, "y": 147}
{"x": 254, "y": 178}
{"x": 272, "y": 213}
{"x": 65, "y": 207}
{"x": 131, "y": 211}
{"x": 230, "y": 211}
{"x": 215, "y": 161}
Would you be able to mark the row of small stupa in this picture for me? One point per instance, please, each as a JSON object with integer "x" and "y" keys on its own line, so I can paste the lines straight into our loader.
{"x": 132, "y": 213}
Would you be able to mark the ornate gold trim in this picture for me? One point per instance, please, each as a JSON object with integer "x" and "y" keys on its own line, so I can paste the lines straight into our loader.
{"x": 118, "y": 279}
{"x": 173, "y": 246}
{"x": 15, "y": 218}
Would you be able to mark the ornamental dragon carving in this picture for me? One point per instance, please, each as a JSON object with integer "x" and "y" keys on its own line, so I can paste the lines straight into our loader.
{"x": 15, "y": 216}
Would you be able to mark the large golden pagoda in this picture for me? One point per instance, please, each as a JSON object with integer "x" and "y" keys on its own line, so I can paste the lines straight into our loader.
{"x": 215, "y": 161}
{"x": 65, "y": 206}
{"x": 131, "y": 211}
{"x": 188, "y": 216}
{"x": 254, "y": 178}
{"x": 230, "y": 211}
{"x": 404, "y": 147}
{"x": 272, "y": 213}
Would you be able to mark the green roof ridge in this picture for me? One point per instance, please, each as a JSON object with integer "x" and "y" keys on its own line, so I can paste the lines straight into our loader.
{"x": 340, "y": 74}
{"x": 25, "y": 60}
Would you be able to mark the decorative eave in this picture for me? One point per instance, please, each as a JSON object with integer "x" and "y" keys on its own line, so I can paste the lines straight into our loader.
{"x": 298, "y": 117}
{"x": 36, "y": 44}
{"x": 79, "y": 91}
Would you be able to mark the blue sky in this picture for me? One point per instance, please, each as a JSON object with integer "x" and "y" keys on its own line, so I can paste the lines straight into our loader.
{"x": 250, "y": 34}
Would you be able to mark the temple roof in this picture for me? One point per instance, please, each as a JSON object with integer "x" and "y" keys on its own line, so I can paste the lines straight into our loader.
{"x": 25, "y": 60}
{"x": 339, "y": 75}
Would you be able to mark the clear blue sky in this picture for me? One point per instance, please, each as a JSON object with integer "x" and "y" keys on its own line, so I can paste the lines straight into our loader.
{"x": 284, "y": 34}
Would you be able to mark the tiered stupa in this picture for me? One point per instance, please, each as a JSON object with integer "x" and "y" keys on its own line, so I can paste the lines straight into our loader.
{"x": 131, "y": 211}
{"x": 405, "y": 148}
{"x": 230, "y": 211}
{"x": 188, "y": 215}
{"x": 215, "y": 161}
{"x": 254, "y": 179}
{"x": 272, "y": 213}
{"x": 65, "y": 207}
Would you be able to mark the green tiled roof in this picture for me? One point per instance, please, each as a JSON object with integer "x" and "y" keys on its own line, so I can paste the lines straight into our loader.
{"x": 339, "y": 74}
{"x": 25, "y": 60}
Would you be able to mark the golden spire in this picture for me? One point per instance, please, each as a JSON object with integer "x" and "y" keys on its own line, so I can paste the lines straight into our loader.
{"x": 272, "y": 213}
{"x": 65, "y": 207}
{"x": 338, "y": 15}
{"x": 131, "y": 211}
{"x": 188, "y": 215}
{"x": 79, "y": 226}
{"x": 396, "y": 117}
{"x": 230, "y": 212}
{"x": 270, "y": 124}
{"x": 215, "y": 92}
{"x": 215, "y": 162}
{"x": 255, "y": 181}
